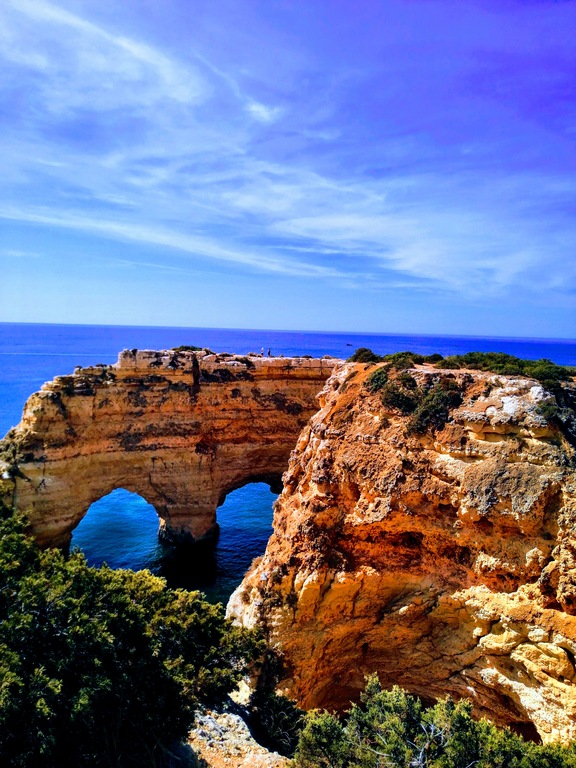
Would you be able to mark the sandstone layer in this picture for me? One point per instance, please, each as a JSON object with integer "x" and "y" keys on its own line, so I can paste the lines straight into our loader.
{"x": 180, "y": 428}
{"x": 445, "y": 561}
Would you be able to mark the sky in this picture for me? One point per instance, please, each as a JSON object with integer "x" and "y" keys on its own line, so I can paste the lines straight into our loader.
{"x": 393, "y": 166}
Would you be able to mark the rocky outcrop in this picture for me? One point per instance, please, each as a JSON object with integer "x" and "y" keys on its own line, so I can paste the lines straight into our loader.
{"x": 180, "y": 428}
{"x": 443, "y": 559}
{"x": 223, "y": 740}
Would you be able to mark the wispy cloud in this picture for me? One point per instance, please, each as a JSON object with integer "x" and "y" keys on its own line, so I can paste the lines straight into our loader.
{"x": 88, "y": 66}
{"x": 386, "y": 167}
{"x": 196, "y": 246}
{"x": 13, "y": 253}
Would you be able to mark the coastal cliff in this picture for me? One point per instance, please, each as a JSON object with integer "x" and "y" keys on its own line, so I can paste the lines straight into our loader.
{"x": 182, "y": 428}
{"x": 443, "y": 557}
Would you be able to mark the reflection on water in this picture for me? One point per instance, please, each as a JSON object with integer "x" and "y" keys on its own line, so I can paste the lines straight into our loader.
{"x": 122, "y": 530}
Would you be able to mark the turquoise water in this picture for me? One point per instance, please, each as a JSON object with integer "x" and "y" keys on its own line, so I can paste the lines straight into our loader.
{"x": 121, "y": 529}
{"x": 126, "y": 527}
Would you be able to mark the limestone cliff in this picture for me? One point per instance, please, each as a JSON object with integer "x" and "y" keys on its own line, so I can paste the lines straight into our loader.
{"x": 443, "y": 559}
{"x": 181, "y": 428}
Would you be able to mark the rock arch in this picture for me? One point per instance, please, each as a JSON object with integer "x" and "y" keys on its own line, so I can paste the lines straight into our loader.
{"x": 119, "y": 528}
{"x": 180, "y": 428}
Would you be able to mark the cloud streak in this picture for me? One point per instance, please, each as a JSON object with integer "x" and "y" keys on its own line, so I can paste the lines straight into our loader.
{"x": 426, "y": 157}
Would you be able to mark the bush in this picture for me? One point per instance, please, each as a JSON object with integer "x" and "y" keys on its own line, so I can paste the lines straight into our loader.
{"x": 401, "y": 360}
{"x": 406, "y": 381}
{"x": 186, "y": 348}
{"x": 433, "y": 410}
{"x": 364, "y": 355}
{"x": 391, "y": 729}
{"x": 545, "y": 371}
{"x": 102, "y": 667}
{"x": 377, "y": 379}
{"x": 550, "y": 375}
{"x": 394, "y": 397}
{"x": 275, "y": 720}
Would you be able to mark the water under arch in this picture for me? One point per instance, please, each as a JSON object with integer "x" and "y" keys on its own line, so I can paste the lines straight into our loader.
{"x": 121, "y": 529}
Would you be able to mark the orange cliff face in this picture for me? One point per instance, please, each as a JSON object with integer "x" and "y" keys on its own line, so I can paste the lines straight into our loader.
{"x": 181, "y": 428}
{"x": 445, "y": 561}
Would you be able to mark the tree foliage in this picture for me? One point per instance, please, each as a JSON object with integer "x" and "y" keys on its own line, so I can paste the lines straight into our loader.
{"x": 391, "y": 729}
{"x": 102, "y": 667}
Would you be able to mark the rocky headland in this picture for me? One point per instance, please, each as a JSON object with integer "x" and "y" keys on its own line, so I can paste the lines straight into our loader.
{"x": 440, "y": 556}
{"x": 425, "y": 531}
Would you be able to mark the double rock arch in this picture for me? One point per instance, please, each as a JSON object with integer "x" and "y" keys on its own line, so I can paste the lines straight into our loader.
{"x": 180, "y": 429}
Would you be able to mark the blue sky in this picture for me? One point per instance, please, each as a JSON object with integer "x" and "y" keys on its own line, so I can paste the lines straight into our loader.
{"x": 392, "y": 166}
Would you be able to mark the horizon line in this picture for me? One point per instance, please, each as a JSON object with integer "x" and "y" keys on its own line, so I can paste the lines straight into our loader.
{"x": 553, "y": 339}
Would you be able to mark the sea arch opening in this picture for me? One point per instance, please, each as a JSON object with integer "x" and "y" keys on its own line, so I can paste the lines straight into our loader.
{"x": 121, "y": 530}
{"x": 244, "y": 519}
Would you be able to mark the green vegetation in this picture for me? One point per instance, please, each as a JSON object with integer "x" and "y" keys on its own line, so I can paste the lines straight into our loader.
{"x": 391, "y": 729}
{"x": 545, "y": 371}
{"x": 434, "y": 405}
{"x": 562, "y": 412}
{"x": 101, "y": 667}
{"x": 395, "y": 396}
{"x": 429, "y": 407}
{"x": 398, "y": 360}
{"x": 187, "y": 348}
{"x": 274, "y": 720}
{"x": 364, "y": 355}
{"x": 377, "y": 379}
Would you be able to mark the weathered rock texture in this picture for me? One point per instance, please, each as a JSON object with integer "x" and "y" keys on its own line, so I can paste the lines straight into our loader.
{"x": 182, "y": 429}
{"x": 443, "y": 561}
{"x": 223, "y": 740}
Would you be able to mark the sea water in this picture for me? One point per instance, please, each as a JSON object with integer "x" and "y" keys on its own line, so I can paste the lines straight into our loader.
{"x": 121, "y": 529}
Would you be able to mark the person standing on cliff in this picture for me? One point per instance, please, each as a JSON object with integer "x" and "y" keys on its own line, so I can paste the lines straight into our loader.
{"x": 269, "y": 353}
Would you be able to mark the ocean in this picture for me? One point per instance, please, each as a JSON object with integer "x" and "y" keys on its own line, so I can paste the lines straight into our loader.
{"x": 121, "y": 529}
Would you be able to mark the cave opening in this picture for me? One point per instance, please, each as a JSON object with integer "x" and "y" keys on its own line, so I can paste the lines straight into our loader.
{"x": 121, "y": 530}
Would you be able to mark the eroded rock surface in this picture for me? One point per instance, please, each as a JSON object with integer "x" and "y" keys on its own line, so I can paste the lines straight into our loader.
{"x": 223, "y": 740}
{"x": 182, "y": 429}
{"x": 444, "y": 560}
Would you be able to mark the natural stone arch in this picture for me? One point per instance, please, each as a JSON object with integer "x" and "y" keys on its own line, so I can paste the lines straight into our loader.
{"x": 119, "y": 529}
{"x": 181, "y": 429}
{"x": 273, "y": 480}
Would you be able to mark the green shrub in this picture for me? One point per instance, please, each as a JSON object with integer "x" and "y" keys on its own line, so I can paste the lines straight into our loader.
{"x": 550, "y": 375}
{"x": 274, "y": 719}
{"x": 102, "y": 667}
{"x": 377, "y": 379}
{"x": 401, "y": 360}
{"x": 563, "y": 417}
{"x": 364, "y": 355}
{"x": 433, "y": 409}
{"x": 186, "y": 348}
{"x": 545, "y": 371}
{"x": 391, "y": 729}
{"x": 406, "y": 381}
{"x": 394, "y": 396}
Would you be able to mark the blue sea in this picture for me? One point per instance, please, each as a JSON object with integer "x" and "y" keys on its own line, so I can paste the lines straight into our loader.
{"x": 121, "y": 529}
